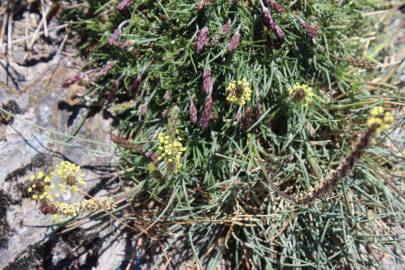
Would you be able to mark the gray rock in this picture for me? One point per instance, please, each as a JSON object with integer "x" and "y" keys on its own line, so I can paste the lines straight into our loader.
{"x": 37, "y": 139}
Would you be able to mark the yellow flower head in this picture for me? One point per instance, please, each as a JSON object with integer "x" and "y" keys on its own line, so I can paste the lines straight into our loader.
{"x": 301, "y": 94}
{"x": 380, "y": 119}
{"x": 85, "y": 205}
{"x": 67, "y": 209}
{"x": 238, "y": 92}
{"x": 171, "y": 150}
{"x": 70, "y": 173}
{"x": 44, "y": 191}
{"x": 68, "y": 177}
{"x": 40, "y": 186}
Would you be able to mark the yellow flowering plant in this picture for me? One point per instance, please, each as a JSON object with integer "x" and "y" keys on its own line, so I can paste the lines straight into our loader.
{"x": 49, "y": 190}
{"x": 380, "y": 119}
{"x": 41, "y": 187}
{"x": 170, "y": 147}
{"x": 71, "y": 175}
{"x": 171, "y": 150}
{"x": 301, "y": 94}
{"x": 238, "y": 92}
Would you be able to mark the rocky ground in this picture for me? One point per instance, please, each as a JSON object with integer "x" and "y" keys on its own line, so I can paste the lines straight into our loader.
{"x": 33, "y": 67}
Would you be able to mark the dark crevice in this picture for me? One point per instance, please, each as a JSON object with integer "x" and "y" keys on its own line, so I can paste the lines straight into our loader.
{"x": 12, "y": 107}
{"x": 4, "y": 226}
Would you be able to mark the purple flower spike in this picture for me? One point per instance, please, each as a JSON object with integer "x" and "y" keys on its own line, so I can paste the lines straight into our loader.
{"x": 311, "y": 30}
{"x": 205, "y": 120}
{"x": 202, "y": 39}
{"x": 207, "y": 81}
{"x": 105, "y": 69}
{"x": 113, "y": 40}
{"x": 270, "y": 23}
{"x": 226, "y": 27}
{"x": 193, "y": 111}
{"x": 124, "y": 4}
{"x": 202, "y": 4}
{"x": 234, "y": 42}
{"x": 276, "y": 6}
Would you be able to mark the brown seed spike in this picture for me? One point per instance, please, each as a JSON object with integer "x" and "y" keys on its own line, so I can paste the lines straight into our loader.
{"x": 348, "y": 164}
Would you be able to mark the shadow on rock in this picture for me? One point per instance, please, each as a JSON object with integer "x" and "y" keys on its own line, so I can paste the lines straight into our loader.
{"x": 73, "y": 250}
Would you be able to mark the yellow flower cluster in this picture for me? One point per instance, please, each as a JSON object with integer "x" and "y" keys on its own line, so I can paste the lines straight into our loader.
{"x": 301, "y": 93}
{"x": 238, "y": 92}
{"x": 72, "y": 210}
{"x": 70, "y": 173}
{"x": 84, "y": 205}
{"x": 66, "y": 209}
{"x": 96, "y": 204}
{"x": 49, "y": 196}
{"x": 171, "y": 151}
{"x": 383, "y": 120}
{"x": 41, "y": 187}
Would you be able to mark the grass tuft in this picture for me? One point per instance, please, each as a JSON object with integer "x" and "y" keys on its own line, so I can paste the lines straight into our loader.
{"x": 234, "y": 200}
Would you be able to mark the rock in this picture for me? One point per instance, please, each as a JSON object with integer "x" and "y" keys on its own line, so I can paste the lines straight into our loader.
{"x": 36, "y": 139}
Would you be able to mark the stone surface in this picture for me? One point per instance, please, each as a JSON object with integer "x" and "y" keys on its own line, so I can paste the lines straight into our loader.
{"x": 36, "y": 137}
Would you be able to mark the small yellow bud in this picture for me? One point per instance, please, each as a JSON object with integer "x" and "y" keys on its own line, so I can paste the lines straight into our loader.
{"x": 55, "y": 218}
{"x": 380, "y": 119}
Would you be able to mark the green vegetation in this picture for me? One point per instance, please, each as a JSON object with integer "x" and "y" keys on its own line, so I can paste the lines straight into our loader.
{"x": 252, "y": 188}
